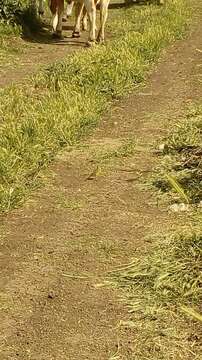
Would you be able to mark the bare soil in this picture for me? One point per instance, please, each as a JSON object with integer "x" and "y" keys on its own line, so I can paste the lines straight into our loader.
{"x": 36, "y": 52}
{"x": 88, "y": 223}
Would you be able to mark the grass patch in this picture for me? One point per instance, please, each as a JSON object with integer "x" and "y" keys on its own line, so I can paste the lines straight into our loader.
{"x": 64, "y": 202}
{"x": 105, "y": 156}
{"x": 59, "y": 105}
{"x": 162, "y": 288}
{"x": 158, "y": 286}
{"x": 182, "y": 159}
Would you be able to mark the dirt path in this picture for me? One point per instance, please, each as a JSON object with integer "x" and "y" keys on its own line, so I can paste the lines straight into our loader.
{"x": 87, "y": 223}
{"x": 33, "y": 54}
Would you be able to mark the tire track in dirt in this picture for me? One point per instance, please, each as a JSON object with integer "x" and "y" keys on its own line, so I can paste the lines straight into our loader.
{"x": 77, "y": 225}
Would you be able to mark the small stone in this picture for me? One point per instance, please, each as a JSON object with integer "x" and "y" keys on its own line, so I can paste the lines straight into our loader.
{"x": 161, "y": 147}
{"x": 51, "y": 295}
{"x": 200, "y": 204}
{"x": 179, "y": 207}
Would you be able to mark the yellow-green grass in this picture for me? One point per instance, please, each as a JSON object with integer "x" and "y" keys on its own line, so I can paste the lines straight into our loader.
{"x": 181, "y": 162}
{"x": 162, "y": 289}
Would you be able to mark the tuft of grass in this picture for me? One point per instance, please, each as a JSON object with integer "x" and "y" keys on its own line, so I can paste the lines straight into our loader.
{"x": 179, "y": 190}
{"x": 60, "y": 104}
{"x": 105, "y": 156}
{"x": 65, "y": 203}
{"x": 191, "y": 312}
{"x": 157, "y": 287}
{"x": 182, "y": 159}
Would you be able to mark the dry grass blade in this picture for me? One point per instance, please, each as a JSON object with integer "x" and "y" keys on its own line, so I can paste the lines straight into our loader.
{"x": 153, "y": 287}
{"x": 178, "y": 188}
{"x": 79, "y": 277}
{"x": 193, "y": 313}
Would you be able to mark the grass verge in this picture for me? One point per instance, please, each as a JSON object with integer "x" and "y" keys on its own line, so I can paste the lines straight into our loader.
{"x": 162, "y": 288}
{"x": 56, "y": 107}
{"x": 159, "y": 287}
{"x": 182, "y": 161}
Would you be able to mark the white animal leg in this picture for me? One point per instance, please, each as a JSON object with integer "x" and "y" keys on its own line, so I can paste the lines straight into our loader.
{"x": 91, "y": 11}
{"x": 55, "y": 22}
{"x": 69, "y": 8}
{"x": 85, "y": 20}
{"x": 103, "y": 17}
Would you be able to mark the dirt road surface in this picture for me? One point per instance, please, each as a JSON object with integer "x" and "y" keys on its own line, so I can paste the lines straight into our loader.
{"x": 84, "y": 223}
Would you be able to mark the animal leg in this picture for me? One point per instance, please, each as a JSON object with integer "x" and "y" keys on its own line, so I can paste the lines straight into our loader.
{"x": 69, "y": 8}
{"x": 78, "y": 13}
{"x": 57, "y": 9}
{"x": 91, "y": 11}
{"x": 103, "y": 18}
{"x": 85, "y": 20}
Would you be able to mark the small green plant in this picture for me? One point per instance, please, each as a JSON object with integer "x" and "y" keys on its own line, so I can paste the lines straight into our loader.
{"x": 123, "y": 150}
{"x": 66, "y": 203}
{"x": 181, "y": 166}
{"x": 17, "y": 16}
{"x": 10, "y": 10}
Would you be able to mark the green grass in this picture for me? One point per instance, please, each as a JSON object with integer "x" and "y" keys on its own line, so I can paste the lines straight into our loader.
{"x": 19, "y": 19}
{"x": 156, "y": 288}
{"x": 60, "y": 104}
{"x": 64, "y": 202}
{"x": 182, "y": 159}
{"x": 103, "y": 155}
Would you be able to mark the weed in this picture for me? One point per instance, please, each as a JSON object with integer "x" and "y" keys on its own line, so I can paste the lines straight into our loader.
{"x": 67, "y": 203}
{"x": 126, "y": 149}
{"x": 182, "y": 159}
{"x": 158, "y": 286}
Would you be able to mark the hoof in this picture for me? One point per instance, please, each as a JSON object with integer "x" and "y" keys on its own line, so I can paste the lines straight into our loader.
{"x": 57, "y": 35}
{"x": 90, "y": 43}
{"x": 100, "y": 41}
{"x": 76, "y": 34}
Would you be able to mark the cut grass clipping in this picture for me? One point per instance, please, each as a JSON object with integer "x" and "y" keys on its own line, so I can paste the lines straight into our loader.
{"x": 180, "y": 171}
{"x": 163, "y": 292}
{"x": 56, "y": 107}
